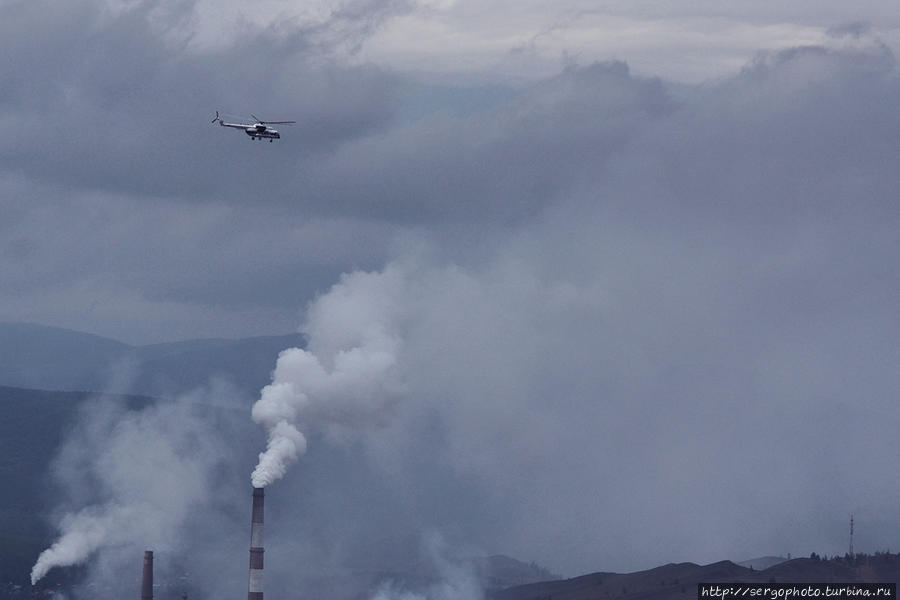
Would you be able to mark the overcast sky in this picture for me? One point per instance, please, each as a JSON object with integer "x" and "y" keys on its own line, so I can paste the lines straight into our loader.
{"x": 642, "y": 257}
{"x": 126, "y": 214}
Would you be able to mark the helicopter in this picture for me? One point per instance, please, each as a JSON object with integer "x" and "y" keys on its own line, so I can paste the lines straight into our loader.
{"x": 256, "y": 131}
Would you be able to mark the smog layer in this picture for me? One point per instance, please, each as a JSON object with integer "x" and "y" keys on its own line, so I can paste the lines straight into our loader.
{"x": 599, "y": 289}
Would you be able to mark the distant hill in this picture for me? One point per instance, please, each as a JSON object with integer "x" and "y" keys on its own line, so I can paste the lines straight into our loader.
{"x": 679, "y": 581}
{"x": 34, "y": 356}
{"x": 499, "y": 571}
{"x": 50, "y": 358}
{"x": 669, "y": 581}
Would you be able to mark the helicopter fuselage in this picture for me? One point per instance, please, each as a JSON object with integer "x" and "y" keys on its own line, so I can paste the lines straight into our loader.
{"x": 265, "y": 132}
{"x": 258, "y": 130}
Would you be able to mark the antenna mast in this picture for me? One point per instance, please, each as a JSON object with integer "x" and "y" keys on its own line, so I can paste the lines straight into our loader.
{"x": 851, "y": 535}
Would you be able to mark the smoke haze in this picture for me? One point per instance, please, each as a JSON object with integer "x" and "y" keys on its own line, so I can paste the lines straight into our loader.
{"x": 135, "y": 479}
{"x": 590, "y": 318}
{"x": 343, "y": 377}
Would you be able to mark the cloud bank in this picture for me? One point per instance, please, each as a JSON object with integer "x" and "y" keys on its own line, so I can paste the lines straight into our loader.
{"x": 598, "y": 321}
{"x": 687, "y": 329}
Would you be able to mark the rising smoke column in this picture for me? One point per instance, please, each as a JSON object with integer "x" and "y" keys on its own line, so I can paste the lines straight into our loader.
{"x": 133, "y": 479}
{"x": 346, "y": 376}
{"x": 84, "y": 533}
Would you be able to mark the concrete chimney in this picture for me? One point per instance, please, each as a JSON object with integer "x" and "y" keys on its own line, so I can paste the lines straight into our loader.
{"x": 147, "y": 581}
{"x": 255, "y": 585}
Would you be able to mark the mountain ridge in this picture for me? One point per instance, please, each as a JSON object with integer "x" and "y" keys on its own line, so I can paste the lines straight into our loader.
{"x": 678, "y": 581}
{"x": 42, "y": 357}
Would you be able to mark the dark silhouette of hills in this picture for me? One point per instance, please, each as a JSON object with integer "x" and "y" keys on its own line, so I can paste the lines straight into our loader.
{"x": 51, "y": 358}
{"x": 500, "y": 571}
{"x": 679, "y": 581}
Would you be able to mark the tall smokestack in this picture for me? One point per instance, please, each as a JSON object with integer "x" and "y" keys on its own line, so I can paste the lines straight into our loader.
{"x": 255, "y": 585}
{"x": 147, "y": 581}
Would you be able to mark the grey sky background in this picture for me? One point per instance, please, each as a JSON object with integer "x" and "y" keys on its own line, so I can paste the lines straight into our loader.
{"x": 642, "y": 262}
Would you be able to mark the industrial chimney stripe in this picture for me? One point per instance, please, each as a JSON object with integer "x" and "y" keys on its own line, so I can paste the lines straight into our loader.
{"x": 147, "y": 580}
{"x": 255, "y": 583}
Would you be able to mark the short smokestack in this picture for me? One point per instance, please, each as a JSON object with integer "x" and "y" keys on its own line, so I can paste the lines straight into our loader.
{"x": 147, "y": 580}
{"x": 255, "y": 585}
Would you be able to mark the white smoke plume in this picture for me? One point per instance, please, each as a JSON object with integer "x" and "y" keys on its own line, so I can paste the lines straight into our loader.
{"x": 345, "y": 377}
{"x": 456, "y": 579}
{"x": 84, "y": 532}
{"x": 134, "y": 479}
{"x": 466, "y": 589}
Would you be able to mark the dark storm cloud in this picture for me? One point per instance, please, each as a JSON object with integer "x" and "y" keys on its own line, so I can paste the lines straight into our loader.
{"x": 119, "y": 100}
{"x": 122, "y": 199}
{"x": 98, "y": 262}
{"x": 854, "y": 29}
{"x": 500, "y": 164}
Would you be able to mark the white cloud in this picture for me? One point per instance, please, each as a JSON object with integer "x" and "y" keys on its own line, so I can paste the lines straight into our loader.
{"x": 530, "y": 40}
